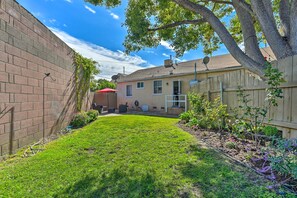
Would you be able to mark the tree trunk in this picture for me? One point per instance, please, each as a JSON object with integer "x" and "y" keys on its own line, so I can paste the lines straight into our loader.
{"x": 249, "y": 34}
{"x": 284, "y": 14}
{"x": 293, "y": 26}
{"x": 279, "y": 46}
{"x": 224, "y": 35}
{"x": 268, "y": 8}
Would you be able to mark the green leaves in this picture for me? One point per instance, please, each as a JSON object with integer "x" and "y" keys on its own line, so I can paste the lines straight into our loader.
{"x": 85, "y": 69}
{"x": 254, "y": 116}
{"x": 107, "y": 3}
{"x": 101, "y": 84}
{"x": 146, "y": 21}
{"x": 205, "y": 114}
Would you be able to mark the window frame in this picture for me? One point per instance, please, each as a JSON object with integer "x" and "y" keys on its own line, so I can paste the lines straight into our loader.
{"x": 140, "y": 87}
{"x": 130, "y": 91}
{"x": 157, "y": 93}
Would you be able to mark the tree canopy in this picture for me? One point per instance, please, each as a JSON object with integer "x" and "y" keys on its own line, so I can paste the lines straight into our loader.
{"x": 186, "y": 24}
{"x": 101, "y": 84}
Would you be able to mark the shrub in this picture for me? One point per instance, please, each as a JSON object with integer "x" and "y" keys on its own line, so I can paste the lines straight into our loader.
{"x": 197, "y": 102}
{"x": 193, "y": 122}
{"x": 270, "y": 131}
{"x": 92, "y": 114}
{"x": 280, "y": 156}
{"x": 205, "y": 114}
{"x": 254, "y": 116}
{"x": 283, "y": 157}
{"x": 186, "y": 116}
{"x": 80, "y": 120}
{"x": 215, "y": 114}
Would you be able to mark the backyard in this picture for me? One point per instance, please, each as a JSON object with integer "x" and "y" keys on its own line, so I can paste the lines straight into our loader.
{"x": 128, "y": 156}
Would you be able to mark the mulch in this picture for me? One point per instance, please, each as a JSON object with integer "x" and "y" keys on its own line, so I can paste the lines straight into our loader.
{"x": 240, "y": 151}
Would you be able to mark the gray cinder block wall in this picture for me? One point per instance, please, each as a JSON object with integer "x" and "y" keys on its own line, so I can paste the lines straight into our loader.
{"x": 28, "y": 49}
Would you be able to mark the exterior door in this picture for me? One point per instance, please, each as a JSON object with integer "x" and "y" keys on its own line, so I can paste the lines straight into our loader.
{"x": 176, "y": 92}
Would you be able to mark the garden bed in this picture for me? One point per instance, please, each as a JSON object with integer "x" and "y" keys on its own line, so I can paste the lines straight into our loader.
{"x": 244, "y": 151}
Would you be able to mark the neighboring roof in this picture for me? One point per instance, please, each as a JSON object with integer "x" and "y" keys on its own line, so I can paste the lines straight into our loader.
{"x": 215, "y": 63}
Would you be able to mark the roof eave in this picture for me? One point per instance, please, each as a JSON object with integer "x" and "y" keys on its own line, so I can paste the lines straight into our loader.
{"x": 184, "y": 74}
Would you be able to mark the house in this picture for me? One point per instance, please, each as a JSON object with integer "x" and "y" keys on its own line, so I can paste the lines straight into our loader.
{"x": 164, "y": 89}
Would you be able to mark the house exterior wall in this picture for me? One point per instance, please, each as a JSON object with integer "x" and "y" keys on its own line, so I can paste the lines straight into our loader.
{"x": 28, "y": 50}
{"x": 146, "y": 95}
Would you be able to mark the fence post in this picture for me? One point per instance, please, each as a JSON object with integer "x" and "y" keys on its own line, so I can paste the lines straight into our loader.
{"x": 208, "y": 90}
{"x": 221, "y": 91}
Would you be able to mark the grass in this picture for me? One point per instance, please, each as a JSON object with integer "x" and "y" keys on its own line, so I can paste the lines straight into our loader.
{"x": 126, "y": 156}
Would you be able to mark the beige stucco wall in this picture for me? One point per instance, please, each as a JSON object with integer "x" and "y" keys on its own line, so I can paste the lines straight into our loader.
{"x": 146, "y": 95}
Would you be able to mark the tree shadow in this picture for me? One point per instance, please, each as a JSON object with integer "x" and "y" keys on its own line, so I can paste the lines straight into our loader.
{"x": 116, "y": 184}
{"x": 216, "y": 176}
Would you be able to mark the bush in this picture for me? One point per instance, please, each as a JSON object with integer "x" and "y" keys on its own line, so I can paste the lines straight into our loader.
{"x": 270, "y": 131}
{"x": 205, "y": 114}
{"x": 186, "y": 116}
{"x": 92, "y": 114}
{"x": 79, "y": 120}
{"x": 197, "y": 102}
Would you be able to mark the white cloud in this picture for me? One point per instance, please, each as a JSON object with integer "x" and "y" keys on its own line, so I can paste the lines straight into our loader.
{"x": 166, "y": 45}
{"x": 52, "y": 21}
{"x": 166, "y": 55}
{"x": 37, "y": 14}
{"x": 180, "y": 60}
{"x": 114, "y": 16}
{"x": 111, "y": 62}
{"x": 69, "y": 1}
{"x": 150, "y": 52}
{"x": 90, "y": 9}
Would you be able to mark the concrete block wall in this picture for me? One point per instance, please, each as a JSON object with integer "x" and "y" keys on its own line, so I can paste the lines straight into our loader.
{"x": 28, "y": 49}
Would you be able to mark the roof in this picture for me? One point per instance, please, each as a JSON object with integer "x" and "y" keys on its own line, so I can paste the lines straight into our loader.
{"x": 216, "y": 63}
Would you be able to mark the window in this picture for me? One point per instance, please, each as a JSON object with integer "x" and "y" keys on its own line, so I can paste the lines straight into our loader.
{"x": 140, "y": 85}
{"x": 129, "y": 90}
{"x": 158, "y": 87}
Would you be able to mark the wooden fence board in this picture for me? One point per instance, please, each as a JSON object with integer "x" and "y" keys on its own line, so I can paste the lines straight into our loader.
{"x": 287, "y": 68}
{"x": 287, "y": 101}
{"x": 283, "y": 116}
{"x": 294, "y": 73}
{"x": 294, "y": 105}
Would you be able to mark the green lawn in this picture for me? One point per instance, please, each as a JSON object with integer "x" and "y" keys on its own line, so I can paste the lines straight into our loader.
{"x": 126, "y": 156}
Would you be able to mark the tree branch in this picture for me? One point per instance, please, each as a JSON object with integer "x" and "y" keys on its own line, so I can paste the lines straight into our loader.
{"x": 246, "y": 6}
{"x": 249, "y": 33}
{"x": 224, "y": 35}
{"x": 284, "y": 14}
{"x": 268, "y": 8}
{"x": 280, "y": 47}
{"x": 217, "y": 1}
{"x": 293, "y": 26}
{"x": 171, "y": 25}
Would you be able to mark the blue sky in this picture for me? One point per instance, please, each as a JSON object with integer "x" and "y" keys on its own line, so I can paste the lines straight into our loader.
{"x": 97, "y": 32}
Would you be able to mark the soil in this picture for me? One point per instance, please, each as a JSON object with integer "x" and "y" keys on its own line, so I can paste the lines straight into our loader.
{"x": 244, "y": 151}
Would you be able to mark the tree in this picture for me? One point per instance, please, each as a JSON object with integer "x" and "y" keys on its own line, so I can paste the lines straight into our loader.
{"x": 101, "y": 84}
{"x": 190, "y": 23}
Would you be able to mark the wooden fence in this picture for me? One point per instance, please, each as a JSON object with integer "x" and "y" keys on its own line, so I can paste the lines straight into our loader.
{"x": 284, "y": 116}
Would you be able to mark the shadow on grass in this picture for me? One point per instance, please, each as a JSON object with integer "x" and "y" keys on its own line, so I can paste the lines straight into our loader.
{"x": 116, "y": 184}
{"x": 210, "y": 175}
{"x": 215, "y": 176}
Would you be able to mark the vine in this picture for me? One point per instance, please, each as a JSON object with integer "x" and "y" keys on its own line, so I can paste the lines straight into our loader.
{"x": 85, "y": 69}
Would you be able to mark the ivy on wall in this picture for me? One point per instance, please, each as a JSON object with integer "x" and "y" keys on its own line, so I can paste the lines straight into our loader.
{"x": 85, "y": 69}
